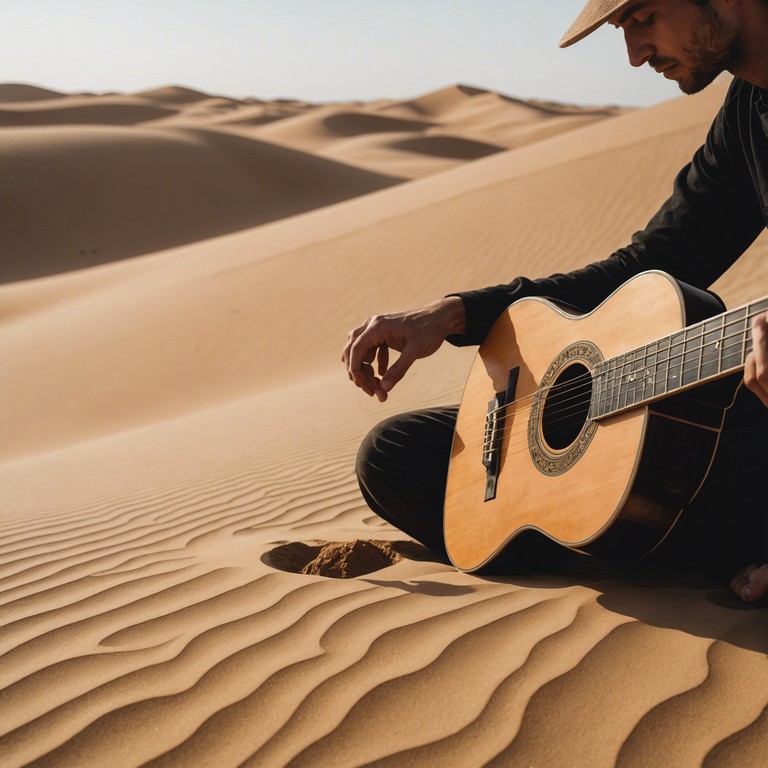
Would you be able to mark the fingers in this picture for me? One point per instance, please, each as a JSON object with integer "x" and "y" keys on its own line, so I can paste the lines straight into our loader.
{"x": 414, "y": 333}
{"x": 360, "y": 352}
{"x": 383, "y": 359}
{"x": 398, "y": 370}
{"x": 350, "y": 340}
{"x": 756, "y": 365}
{"x": 365, "y": 378}
{"x": 751, "y": 583}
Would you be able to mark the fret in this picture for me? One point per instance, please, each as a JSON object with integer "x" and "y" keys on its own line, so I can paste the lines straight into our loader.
{"x": 747, "y": 339}
{"x": 661, "y": 379}
{"x": 748, "y": 333}
{"x": 626, "y": 379}
{"x": 700, "y": 332}
{"x": 598, "y": 391}
{"x": 605, "y": 400}
{"x": 631, "y": 379}
{"x": 734, "y": 337}
{"x": 600, "y": 406}
{"x": 620, "y": 396}
{"x": 635, "y": 394}
{"x": 721, "y": 346}
{"x": 650, "y": 355}
{"x": 603, "y": 389}
{"x": 601, "y": 378}
{"x": 613, "y": 401}
{"x": 691, "y": 361}
{"x": 674, "y": 369}
{"x": 615, "y": 385}
{"x": 714, "y": 333}
{"x": 745, "y": 335}
{"x": 609, "y": 377}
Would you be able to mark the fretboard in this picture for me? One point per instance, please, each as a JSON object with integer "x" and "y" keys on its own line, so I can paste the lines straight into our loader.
{"x": 691, "y": 356}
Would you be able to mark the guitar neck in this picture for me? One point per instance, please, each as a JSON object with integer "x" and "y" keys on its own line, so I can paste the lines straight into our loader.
{"x": 692, "y": 356}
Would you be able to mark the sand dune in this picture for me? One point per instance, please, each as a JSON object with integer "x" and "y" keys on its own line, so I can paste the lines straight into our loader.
{"x": 179, "y": 437}
{"x": 109, "y": 194}
{"x": 174, "y": 94}
{"x": 321, "y": 127}
{"x": 431, "y": 133}
{"x": 23, "y": 92}
{"x": 107, "y": 110}
{"x": 188, "y": 166}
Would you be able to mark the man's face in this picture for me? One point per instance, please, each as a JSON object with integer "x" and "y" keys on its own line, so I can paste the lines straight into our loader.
{"x": 685, "y": 42}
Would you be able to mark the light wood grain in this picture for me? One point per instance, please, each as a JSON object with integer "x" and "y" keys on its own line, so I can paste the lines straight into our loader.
{"x": 576, "y": 506}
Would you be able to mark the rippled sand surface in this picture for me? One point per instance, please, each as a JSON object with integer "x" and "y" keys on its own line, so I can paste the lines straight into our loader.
{"x": 188, "y": 574}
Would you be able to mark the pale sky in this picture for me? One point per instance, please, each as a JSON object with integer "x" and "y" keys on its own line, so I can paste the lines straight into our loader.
{"x": 319, "y": 50}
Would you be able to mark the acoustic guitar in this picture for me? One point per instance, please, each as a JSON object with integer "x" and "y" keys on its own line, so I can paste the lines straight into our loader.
{"x": 592, "y": 430}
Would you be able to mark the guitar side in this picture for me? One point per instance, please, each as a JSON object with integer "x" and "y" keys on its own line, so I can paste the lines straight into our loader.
{"x": 611, "y": 487}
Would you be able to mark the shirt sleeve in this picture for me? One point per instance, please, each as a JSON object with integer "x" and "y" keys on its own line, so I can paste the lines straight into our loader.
{"x": 709, "y": 220}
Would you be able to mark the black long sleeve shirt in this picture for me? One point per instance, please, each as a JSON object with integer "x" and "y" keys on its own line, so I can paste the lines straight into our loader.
{"x": 718, "y": 206}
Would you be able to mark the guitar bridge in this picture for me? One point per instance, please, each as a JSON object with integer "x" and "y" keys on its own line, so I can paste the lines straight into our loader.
{"x": 493, "y": 438}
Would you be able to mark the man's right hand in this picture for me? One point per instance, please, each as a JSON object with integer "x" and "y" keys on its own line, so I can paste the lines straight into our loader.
{"x": 414, "y": 334}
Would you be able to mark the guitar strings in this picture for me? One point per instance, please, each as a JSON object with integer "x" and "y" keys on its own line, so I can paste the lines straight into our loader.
{"x": 561, "y": 415}
{"x": 560, "y": 418}
{"x": 667, "y": 360}
{"x": 565, "y": 419}
{"x": 579, "y": 384}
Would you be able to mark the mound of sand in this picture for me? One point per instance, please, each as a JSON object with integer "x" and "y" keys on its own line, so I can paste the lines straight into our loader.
{"x": 344, "y": 559}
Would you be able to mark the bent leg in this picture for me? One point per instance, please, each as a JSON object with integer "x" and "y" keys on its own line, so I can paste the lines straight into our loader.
{"x": 726, "y": 526}
{"x": 402, "y": 466}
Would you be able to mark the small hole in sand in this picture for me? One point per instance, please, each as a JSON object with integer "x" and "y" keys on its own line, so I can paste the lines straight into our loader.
{"x": 343, "y": 559}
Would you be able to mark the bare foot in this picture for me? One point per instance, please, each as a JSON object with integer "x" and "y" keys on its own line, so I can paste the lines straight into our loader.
{"x": 751, "y": 583}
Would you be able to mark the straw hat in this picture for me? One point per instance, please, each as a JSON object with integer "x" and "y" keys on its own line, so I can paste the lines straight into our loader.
{"x": 594, "y": 14}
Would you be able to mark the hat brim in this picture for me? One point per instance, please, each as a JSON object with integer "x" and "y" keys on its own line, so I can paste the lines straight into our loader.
{"x": 586, "y": 26}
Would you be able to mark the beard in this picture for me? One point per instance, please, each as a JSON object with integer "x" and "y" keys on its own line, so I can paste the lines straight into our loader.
{"x": 714, "y": 47}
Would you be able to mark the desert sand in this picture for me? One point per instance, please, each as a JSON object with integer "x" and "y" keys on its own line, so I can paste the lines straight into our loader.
{"x": 180, "y": 271}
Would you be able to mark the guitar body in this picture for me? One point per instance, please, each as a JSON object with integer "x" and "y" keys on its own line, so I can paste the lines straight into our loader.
{"x": 612, "y": 486}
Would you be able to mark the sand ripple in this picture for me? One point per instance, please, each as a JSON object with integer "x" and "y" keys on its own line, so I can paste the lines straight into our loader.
{"x": 188, "y": 573}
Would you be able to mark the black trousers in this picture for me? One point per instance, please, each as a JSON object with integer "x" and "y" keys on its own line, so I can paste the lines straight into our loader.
{"x": 402, "y": 466}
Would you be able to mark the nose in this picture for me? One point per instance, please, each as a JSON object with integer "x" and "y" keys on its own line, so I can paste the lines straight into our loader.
{"x": 639, "y": 48}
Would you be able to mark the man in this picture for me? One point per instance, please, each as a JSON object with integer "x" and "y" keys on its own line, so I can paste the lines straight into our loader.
{"x": 718, "y": 207}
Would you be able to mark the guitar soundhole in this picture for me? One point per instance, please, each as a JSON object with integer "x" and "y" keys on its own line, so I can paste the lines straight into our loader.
{"x": 559, "y": 427}
{"x": 566, "y": 407}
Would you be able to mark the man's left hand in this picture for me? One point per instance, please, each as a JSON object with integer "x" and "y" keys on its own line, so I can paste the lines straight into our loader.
{"x": 756, "y": 365}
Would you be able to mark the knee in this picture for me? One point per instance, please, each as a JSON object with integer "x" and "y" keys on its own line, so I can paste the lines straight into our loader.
{"x": 363, "y": 461}
{"x": 375, "y": 453}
